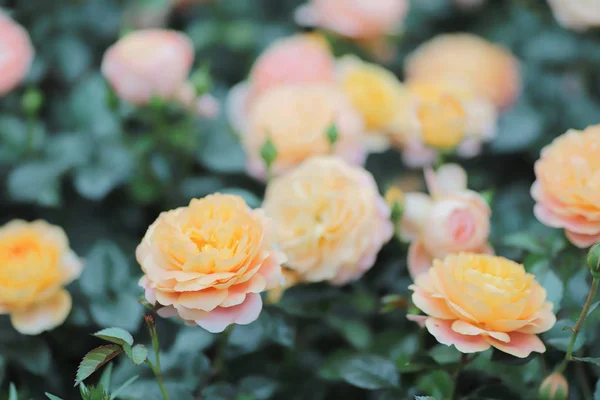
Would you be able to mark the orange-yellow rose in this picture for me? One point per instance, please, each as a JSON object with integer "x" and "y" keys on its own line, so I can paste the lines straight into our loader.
{"x": 332, "y": 220}
{"x": 207, "y": 263}
{"x": 491, "y": 70}
{"x": 452, "y": 219}
{"x": 16, "y": 53}
{"x": 296, "y": 119}
{"x": 376, "y": 93}
{"x": 567, "y": 189}
{"x": 442, "y": 114}
{"x": 475, "y": 301}
{"x": 35, "y": 265}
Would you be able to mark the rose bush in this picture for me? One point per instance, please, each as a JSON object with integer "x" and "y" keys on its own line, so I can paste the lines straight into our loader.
{"x": 261, "y": 233}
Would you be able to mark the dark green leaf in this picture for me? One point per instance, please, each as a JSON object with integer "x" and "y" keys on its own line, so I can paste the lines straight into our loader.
{"x": 369, "y": 372}
{"x": 52, "y": 397}
{"x": 94, "y": 360}
{"x": 139, "y": 354}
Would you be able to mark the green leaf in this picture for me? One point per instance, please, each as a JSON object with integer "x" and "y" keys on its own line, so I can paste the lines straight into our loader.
{"x": 525, "y": 241}
{"x": 52, "y": 397}
{"x": 115, "y": 335}
{"x": 94, "y": 360}
{"x": 35, "y": 182}
{"x": 106, "y": 377}
{"x": 518, "y": 129}
{"x": 258, "y": 387}
{"x": 355, "y": 332}
{"x": 597, "y": 391}
{"x": 592, "y": 360}
{"x": 12, "y": 392}
{"x": 123, "y": 387}
{"x": 505, "y": 358}
{"x": 369, "y": 372}
{"x": 138, "y": 354}
{"x": 437, "y": 383}
{"x": 553, "y": 284}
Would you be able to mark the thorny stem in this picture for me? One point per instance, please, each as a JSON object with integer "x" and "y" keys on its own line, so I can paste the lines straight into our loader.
{"x": 577, "y": 328}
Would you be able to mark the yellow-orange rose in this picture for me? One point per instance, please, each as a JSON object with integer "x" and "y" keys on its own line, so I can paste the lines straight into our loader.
{"x": 475, "y": 301}
{"x": 567, "y": 189}
{"x": 491, "y": 70}
{"x": 207, "y": 263}
{"x": 376, "y": 94}
{"x": 332, "y": 221}
{"x": 35, "y": 265}
{"x": 442, "y": 115}
{"x": 296, "y": 119}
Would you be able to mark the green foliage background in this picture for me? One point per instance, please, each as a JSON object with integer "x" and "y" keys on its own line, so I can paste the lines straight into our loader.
{"x": 82, "y": 166}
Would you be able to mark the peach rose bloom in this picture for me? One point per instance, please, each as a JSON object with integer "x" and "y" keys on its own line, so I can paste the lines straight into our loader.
{"x": 332, "y": 220}
{"x": 36, "y": 264}
{"x": 16, "y": 53}
{"x": 452, "y": 219}
{"x": 207, "y": 263}
{"x": 475, "y": 302}
{"x": 376, "y": 94}
{"x": 296, "y": 119}
{"x": 491, "y": 70}
{"x": 148, "y": 63}
{"x": 442, "y": 115}
{"x": 298, "y": 59}
{"x": 356, "y": 19}
{"x": 578, "y": 15}
{"x": 567, "y": 188}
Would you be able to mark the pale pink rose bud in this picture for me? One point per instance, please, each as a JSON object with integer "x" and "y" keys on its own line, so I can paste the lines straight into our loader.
{"x": 16, "y": 53}
{"x": 148, "y": 63}
{"x": 554, "y": 387}
{"x": 453, "y": 220}
{"x": 356, "y": 19}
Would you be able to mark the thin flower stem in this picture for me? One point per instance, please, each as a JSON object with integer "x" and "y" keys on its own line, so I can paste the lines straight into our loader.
{"x": 159, "y": 379}
{"x": 577, "y": 328}
{"x": 464, "y": 360}
{"x": 220, "y": 354}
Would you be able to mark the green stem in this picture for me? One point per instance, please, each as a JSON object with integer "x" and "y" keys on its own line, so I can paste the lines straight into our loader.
{"x": 464, "y": 360}
{"x": 220, "y": 354}
{"x": 577, "y": 328}
{"x": 156, "y": 367}
{"x": 159, "y": 379}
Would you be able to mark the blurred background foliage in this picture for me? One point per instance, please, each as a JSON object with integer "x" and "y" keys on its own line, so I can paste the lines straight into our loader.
{"x": 104, "y": 170}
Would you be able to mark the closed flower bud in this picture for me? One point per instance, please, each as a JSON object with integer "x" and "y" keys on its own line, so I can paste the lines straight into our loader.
{"x": 554, "y": 387}
{"x": 593, "y": 260}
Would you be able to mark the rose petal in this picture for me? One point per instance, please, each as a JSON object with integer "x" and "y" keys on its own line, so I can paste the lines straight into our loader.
{"x": 442, "y": 331}
{"x": 243, "y": 314}
{"x": 520, "y": 345}
{"x": 44, "y": 316}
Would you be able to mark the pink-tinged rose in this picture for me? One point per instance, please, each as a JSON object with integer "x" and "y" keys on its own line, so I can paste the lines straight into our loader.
{"x": 207, "y": 263}
{"x": 148, "y": 63}
{"x": 490, "y": 69}
{"x": 296, "y": 119}
{"x": 356, "y": 19}
{"x": 36, "y": 264}
{"x": 16, "y": 53}
{"x": 299, "y": 59}
{"x": 453, "y": 220}
{"x": 578, "y": 15}
{"x": 567, "y": 188}
{"x": 332, "y": 220}
{"x": 476, "y": 301}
